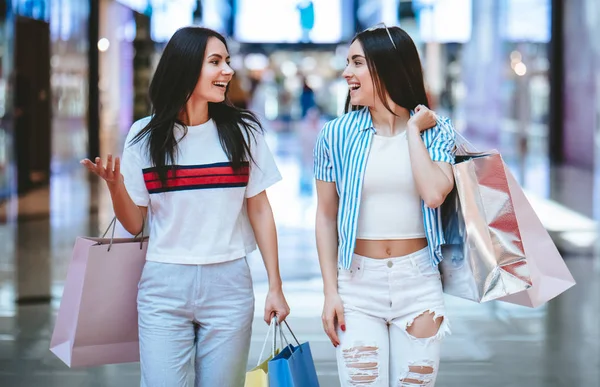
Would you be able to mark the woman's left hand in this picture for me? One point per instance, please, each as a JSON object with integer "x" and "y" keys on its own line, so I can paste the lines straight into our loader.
{"x": 423, "y": 119}
{"x": 276, "y": 305}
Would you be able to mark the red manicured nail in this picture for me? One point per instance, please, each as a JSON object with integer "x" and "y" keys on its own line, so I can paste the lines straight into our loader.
{"x": 343, "y": 328}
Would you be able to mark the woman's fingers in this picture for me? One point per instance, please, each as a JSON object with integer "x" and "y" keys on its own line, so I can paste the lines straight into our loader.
{"x": 109, "y": 167}
{"x": 329, "y": 328}
{"x": 111, "y": 172}
{"x": 88, "y": 165}
{"x": 117, "y": 166}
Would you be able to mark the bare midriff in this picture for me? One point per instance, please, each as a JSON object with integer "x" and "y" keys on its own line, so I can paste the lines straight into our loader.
{"x": 381, "y": 249}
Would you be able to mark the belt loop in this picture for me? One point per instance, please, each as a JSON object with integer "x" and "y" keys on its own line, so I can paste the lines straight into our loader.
{"x": 412, "y": 260}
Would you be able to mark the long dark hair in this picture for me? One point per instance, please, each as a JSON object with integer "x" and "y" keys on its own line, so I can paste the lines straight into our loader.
{"x": 396, "y": 71}
{"x": 173, "y": 83}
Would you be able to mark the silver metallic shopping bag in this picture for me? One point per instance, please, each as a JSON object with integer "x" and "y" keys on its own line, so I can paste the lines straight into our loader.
{"x": 484, "y": 258}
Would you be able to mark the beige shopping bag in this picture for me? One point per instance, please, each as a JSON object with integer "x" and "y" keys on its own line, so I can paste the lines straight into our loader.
{"x": 97, "y": 319}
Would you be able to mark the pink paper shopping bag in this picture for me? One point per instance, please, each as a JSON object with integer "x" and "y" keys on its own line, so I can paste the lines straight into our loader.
{"x": 549, "y": 273}
{"x": 97, "y": 319}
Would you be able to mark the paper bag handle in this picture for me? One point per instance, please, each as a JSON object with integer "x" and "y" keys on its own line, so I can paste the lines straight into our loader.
{"x": 285, "y": 338}
{"x": 463, "y": 146}
{"x": 113, "y": 225}
{"x": 273, "y": 326}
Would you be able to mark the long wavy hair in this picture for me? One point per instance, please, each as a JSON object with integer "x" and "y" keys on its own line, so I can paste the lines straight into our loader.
{"x": 172, "y": 85}
{"x": 396, "y": 71}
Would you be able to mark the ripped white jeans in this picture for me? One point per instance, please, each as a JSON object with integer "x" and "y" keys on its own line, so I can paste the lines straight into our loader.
{"x": 382, "y": 298}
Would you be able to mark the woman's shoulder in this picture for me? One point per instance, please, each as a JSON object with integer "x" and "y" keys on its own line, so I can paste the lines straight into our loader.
{"x": 252, "y": 131}
{"x": 137, "y": 127}
{"x": 342, "y": 124}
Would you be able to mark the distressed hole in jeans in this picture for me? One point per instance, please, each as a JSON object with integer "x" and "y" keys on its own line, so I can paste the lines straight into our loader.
{"x": 418, "y": 375}
{"x": 362, "y": 363}
{"x": 426, "y": 325}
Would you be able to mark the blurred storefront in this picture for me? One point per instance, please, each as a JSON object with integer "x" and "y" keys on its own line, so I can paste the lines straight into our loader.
{"x": 506, "y": 74}
{"x": 29, "y": 85}
{"x": 124, "y": 33}
{"x": 70, "y": 72}
{"x": 293, "y": 63}
{"x": 576, "y": 144}
{"x": 503, "y": 70}
{"x": 44, "y": 87}
{"x": 132, "y": 34}
{"x": 581, "y": 69}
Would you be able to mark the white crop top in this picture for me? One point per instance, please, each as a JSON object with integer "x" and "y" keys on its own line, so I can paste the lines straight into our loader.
{"x": 390, "y": 206}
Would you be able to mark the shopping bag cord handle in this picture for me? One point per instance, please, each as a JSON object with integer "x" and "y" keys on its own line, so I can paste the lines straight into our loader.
{"x": 284, "y": 338}
{"x": 462, "y": 143}
{"x": 273, "y": 326}
{"x": 293, "y": 335}
{"x": 113, "y": 225}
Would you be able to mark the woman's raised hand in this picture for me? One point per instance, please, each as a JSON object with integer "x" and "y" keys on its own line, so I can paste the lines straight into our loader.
{"x": 111, "y": 173}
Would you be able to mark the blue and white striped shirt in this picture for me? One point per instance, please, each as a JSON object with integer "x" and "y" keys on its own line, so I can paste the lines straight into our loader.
{"x": 340, "y": 156}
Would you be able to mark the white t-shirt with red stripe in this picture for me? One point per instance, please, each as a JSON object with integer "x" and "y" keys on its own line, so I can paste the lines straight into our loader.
{"x": 200, "y": 216}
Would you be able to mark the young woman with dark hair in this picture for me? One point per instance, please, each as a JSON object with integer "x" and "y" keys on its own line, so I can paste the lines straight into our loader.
{"x": 198, "y": 167}
{"x": 382, "y": 171}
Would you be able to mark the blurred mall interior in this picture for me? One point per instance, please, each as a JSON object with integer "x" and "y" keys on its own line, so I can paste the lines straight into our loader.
{"x": 520, "y": 76}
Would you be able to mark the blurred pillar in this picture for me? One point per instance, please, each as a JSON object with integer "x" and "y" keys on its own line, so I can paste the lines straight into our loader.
{"x": 596, "y": 48}
{"x": 142, "y": 66}
{"x": 33, "y": 155}
{"x": 32, "y": 261}
{"x": 116, "y": 76}
{"x": 523, "y": 117}
{"x": 555, "y": 130}
{"x": 482, "y": 69}
{"x": 7, "y": 111}
{"x": 94, "y": 77}
{"x": 580, "y": 19}
{"x": 581, "y": 94}
{"x": 32, "y": 103}
{"x": 433, "y": 71}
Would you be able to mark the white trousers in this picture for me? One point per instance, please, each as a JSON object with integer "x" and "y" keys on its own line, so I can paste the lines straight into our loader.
{"x": 382, "y": 298}
{"x": 195, "y": 323}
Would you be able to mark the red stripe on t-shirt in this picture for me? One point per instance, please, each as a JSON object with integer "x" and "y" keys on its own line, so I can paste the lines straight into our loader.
{"x": 199, "y": 181}
{"x": 196, "y": 172}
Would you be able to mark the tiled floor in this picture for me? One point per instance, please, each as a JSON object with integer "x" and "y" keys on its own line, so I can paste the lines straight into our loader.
{"x": 495, "y": 344}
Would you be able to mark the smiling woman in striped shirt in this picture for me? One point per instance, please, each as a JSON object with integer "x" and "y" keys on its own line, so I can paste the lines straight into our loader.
{"x": 382, "y": 171}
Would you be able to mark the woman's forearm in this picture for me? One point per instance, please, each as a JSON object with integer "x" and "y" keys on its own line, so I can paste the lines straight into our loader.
{"x": 431, "y": 181}
{"x": 265, "y": 232}
{"x": 127, "y": 212}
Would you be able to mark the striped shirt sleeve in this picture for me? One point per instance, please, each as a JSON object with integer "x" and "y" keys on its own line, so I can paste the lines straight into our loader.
{"x": 443, "y": 141}
{"x": 323, "y": 165}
